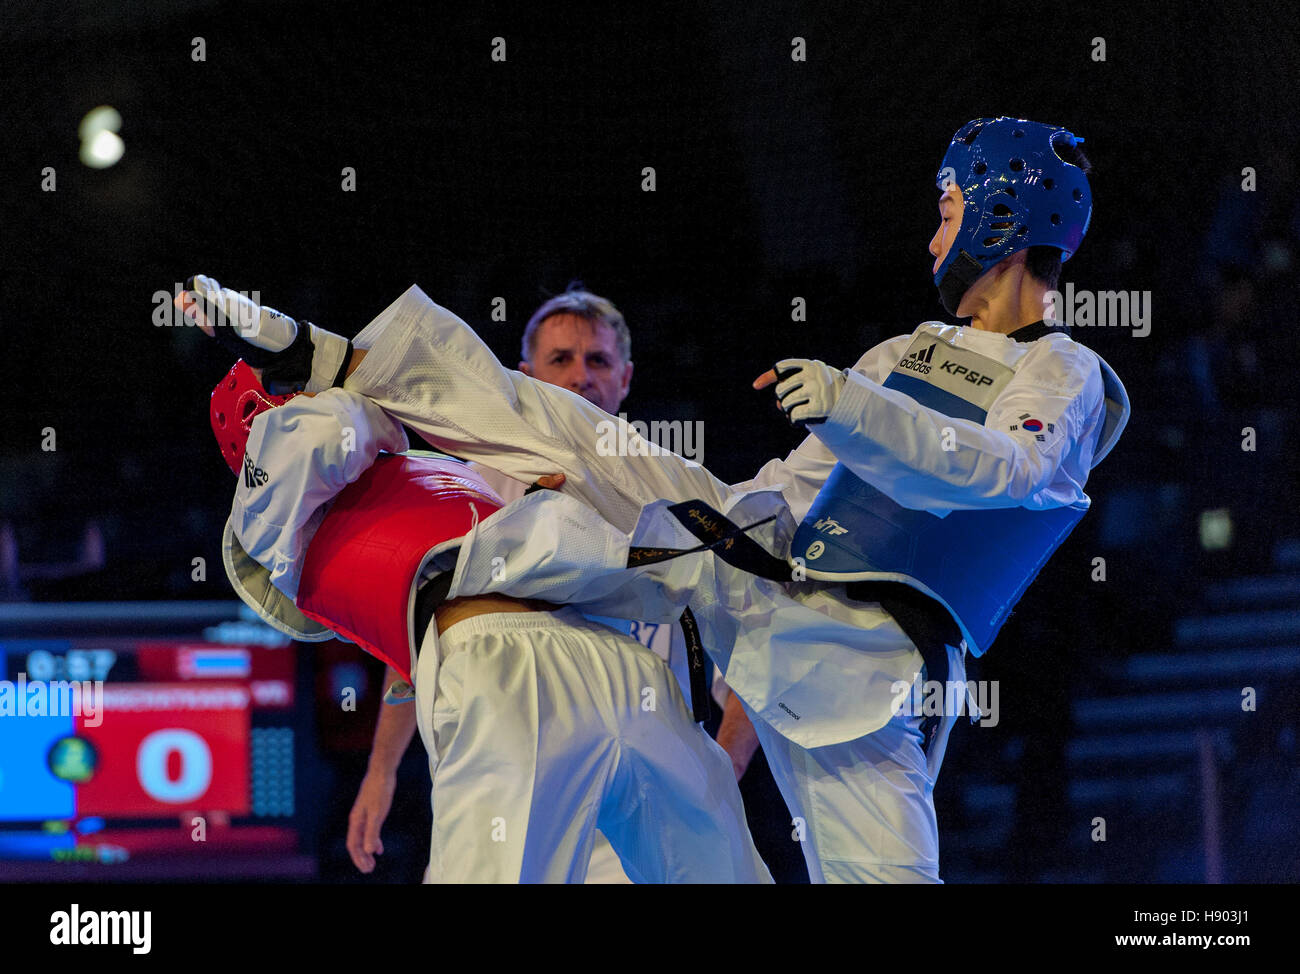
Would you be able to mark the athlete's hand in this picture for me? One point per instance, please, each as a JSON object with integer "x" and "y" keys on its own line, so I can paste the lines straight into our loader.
{"x": 287, "y": 352}
{"x": 374, "y": 799}
{"x": 806, "y": 389}
{"x": 212, "y": 306}
{"x": 547, "y": 481}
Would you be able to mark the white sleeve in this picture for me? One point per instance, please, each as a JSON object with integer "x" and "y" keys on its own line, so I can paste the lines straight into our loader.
{"x": 926, "y": 460}
{"x": 299, "y": 457}
{"x": 427, "y": 368}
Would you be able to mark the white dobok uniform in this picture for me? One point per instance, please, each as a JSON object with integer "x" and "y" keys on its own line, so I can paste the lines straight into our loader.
{"x": 817, "y": 671}
{"x": 541, "y": 727}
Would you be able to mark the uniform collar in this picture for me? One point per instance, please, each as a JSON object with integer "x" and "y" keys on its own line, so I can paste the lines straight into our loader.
{"x": 1031, "y": 333}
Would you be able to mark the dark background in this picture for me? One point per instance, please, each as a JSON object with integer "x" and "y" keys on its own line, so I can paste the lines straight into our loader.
{"x": 775, "y": 179}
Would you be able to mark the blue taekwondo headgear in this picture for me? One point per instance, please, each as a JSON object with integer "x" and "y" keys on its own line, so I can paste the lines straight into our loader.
{"x": 1018, "y": 193}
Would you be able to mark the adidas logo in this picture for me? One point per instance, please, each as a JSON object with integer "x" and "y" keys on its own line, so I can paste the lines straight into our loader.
{"x": 254, "y": 476}
{"x": 925, "y": 354}
{"x": 919, "y": 361}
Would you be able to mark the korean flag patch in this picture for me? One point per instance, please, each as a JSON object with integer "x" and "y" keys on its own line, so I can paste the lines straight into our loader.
{"x": 1029, "y": 424}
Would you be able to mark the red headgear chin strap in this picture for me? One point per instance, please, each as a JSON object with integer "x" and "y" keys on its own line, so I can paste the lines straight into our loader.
{"x": 236, "y": 400}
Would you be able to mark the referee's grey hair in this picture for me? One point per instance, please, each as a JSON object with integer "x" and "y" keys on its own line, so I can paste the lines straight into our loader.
{"x": 584, "y": 304}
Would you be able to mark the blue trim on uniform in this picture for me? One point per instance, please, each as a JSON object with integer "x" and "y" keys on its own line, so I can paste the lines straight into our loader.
{"x": 935, "y": 398}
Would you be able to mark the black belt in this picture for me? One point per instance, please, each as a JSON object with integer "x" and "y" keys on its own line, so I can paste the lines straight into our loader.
{"x": 428, "y": 597}
{"x": 720, "y": 535}
{"x": 923, "y": 620}
{"x": 927, "y": 624}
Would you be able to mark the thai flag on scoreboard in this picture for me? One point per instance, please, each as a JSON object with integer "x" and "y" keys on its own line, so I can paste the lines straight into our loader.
{"x": 213, "y": 664}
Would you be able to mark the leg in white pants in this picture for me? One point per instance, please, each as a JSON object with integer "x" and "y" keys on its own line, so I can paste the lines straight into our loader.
{"x": 865, "y": 808}
{"x": 605, "y": 868}
{"x": 546, "y": 725}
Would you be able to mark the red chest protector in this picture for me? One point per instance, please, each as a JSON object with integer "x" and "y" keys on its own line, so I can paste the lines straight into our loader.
{"x": 360, "y": 570}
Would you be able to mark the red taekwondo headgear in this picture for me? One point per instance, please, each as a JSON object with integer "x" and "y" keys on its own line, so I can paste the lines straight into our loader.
{"x": 236, "y": 400}
{"x": 361, "y": 569}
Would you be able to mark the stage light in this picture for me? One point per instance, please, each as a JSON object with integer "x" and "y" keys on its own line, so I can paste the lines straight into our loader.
{"x": 103, "y": 150}
{"x": 105, "y": 118}
{"x": 101, "y": 146}
{"x": 1216, "y": 529}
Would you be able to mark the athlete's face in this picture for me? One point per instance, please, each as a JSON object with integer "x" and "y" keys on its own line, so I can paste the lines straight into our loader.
{"x": 574, "y": 353}
{"x": 950, "y": 214}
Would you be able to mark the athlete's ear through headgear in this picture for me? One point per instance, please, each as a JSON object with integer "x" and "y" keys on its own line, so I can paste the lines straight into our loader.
{"x": 236, "y": 400}
{"x": 1017, "y": 193}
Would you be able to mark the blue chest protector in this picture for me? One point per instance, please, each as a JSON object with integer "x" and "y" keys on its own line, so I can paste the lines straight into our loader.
{"x": 976, "y": 563}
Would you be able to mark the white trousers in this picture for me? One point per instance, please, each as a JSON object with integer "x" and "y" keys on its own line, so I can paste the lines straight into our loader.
{"x": 604, "y": 868}
{"x": 547, "y": 726}
{"x": 863, "y": 810}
